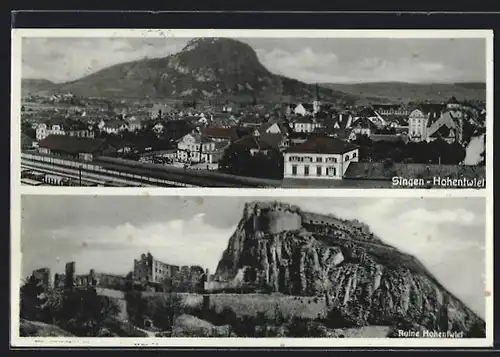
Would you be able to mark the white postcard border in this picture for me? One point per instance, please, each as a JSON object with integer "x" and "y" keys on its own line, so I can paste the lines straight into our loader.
{"x": 17, "y": 190}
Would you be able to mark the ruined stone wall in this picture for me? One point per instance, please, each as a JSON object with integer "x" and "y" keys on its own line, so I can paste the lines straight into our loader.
{"x": 352, "y": 228}
{"x": 273, "y": 217}
{"x": 278, "y": 221}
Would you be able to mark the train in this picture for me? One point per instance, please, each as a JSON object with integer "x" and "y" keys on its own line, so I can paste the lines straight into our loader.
{"x": 156, "y": 174}
{"x": 36, "y": 178}
{"x": 202, "y": 178}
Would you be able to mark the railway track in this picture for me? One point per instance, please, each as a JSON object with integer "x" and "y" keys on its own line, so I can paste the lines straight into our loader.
{"x": 84, "y": 175}
{"x": 150, "y": 174}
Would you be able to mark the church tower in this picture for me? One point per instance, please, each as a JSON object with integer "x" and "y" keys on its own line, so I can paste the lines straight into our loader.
{"x": 317, "y": 102}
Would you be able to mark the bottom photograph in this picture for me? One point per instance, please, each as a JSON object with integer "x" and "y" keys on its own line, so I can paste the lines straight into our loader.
{"x": 163, "y": 267}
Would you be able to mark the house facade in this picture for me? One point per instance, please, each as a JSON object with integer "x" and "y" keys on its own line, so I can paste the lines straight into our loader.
{"x": 390, "y": 109}
{"x": 43, "y": 130}
{"x": 362, "y": 126}
{"x": 134, "y": 124}
{"x": 81, "y": 133}
{"x": 305, "y": 125}
{"x": 319, "y": 158}
{"x": 114, "y": 127}
{"x": 303, "y": 109}
{"x": 448, "y": 127}
{"x": 196, "y": 148}
{"x": 417, "y": 125}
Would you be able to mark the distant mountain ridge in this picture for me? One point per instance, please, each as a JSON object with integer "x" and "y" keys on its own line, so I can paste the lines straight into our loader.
{"x": 397, "y": 92}
{"x": 206, "y": 68}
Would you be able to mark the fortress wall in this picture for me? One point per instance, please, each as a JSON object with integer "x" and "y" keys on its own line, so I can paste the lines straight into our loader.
{"x": 278, "y": 221}
{"x": 312, "y": 218}
{"x": 324, "y": 220}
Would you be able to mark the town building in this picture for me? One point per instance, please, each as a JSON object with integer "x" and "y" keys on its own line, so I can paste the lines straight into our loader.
{"x": 114, "y": 127}
{"x": 448, "y": 127}
{"x": 262, "y": 143}
{"x": 251, "y": 121}
{"x": 78, "y": 129}
{"x": 421, "y": 119}
{"x": 43, "y": 130}
{"x": 319, "y": 158}
{"x": 362, "y": 126}
{"x": 134, "y": 124}
{"x": 303, "y": 109}
{"x": 196, "y": 148}
{"x": 370, "y": 114}
{"x": 390, "y": 109}
{"x": 305, "y": 124}
{"x": 453, "y": 104}
{"x": 417, "y": 125}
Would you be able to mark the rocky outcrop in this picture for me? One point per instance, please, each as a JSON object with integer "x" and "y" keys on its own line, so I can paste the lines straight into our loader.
{"x": 365, "y": 281}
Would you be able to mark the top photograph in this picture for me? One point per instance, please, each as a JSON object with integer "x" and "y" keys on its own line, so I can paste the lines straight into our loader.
{"x": 255, "y": 108}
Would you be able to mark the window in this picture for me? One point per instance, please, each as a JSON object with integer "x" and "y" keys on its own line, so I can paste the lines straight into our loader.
{"x": 294, "y": 170}
{"x": 319, "y": 159}
{"x": 346, "y": 158}
{"x": 353, "y": 155}
{"x": 306, "y": 170}
{"x": 331, "y": 171}
{"x": 318, "y": 170}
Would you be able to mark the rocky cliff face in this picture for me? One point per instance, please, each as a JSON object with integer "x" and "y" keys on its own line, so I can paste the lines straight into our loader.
{"x": 365, "y": 281}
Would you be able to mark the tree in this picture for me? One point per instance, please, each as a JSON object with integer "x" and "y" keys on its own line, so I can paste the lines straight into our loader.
{"x": 32, "y": 299}
{"x": 483, "y": 158}
{"x": 84, "y": 312}
{"x": 28, "y": 130}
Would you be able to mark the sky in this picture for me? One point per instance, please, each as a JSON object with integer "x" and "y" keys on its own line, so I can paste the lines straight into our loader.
{"x": 322, "y": 60}
{"x": 106, "y": 233}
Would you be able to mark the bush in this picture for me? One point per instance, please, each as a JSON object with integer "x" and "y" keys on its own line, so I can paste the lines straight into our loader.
{"x": 31, "y": 300}
{"x": 83, "y": 312}
{"x": 162, "y": 309}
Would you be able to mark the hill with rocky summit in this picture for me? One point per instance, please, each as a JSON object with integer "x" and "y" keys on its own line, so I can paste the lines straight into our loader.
{"x": 206, "y": 68}
{"x": 364, "y": 281}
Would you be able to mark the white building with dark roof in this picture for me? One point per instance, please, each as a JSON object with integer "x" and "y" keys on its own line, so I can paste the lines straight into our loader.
{"x": 305, "y": 124}
{"x": 197, "y": 148}
{"x": 319, "y": 158}
{"x": 43, "y": 130}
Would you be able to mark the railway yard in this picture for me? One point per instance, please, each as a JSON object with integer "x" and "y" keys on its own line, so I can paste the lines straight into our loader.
{"x": 112, "y": 172}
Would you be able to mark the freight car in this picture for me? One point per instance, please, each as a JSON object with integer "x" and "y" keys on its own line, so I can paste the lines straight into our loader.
{"x": 203, "y": 178}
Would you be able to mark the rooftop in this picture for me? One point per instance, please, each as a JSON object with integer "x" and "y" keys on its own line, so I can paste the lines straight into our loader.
{"x": 71, "y": 144}
{"x": 323, "y": 145}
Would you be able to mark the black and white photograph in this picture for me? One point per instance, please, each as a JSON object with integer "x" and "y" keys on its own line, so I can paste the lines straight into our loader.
{"x": 263, "y": 109}
{"x": 357, "y": 271}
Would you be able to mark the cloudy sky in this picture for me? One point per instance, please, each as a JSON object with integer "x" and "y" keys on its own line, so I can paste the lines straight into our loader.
{"x": 310, "y": 60}
{"x": 107, "y": 232}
